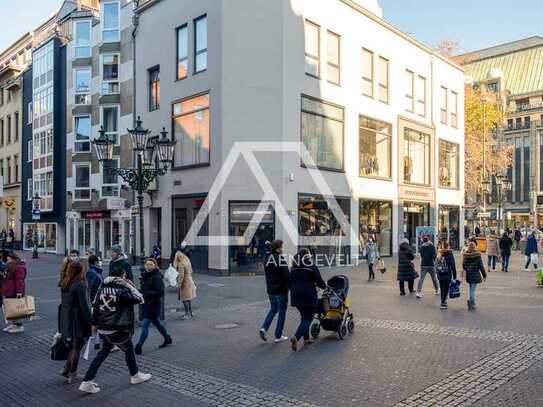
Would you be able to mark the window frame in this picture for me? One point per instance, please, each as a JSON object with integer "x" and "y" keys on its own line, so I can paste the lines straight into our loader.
{"x": 454, "y": 109}
{"x": 389, "y": 136}
{"x": 316, "y": 58}
{"x": 9, "y": 171}
{"x": 198, "y": 52}
{"x": 76, "y": 142}
{"x": 76, "y": 188}
{"x": 153, "y": 86}
{"x": 443, "y": 142}
{"x": 423, "y": 101}
{"x": 109, "y": 133}
{"x": 76, "y": 39}
{"x": 444, "y": 110}
{"x": 103, "y": 184}
{"x": 29, "y": 189}
{"x": 410, "y": 97}
{"x": 80, "y": 93}
{"x": 102, "y": 20}
{"x": 108, "y": 81}
{"x": 30, "y": 113}
{"x": 371, "y": 80}
{"x": 186, "y": 58}
{"x": 380, "y": 84}
{"x": 429, "y": 157}
{"x": 16, "y": 167}
{"x": 29, "y": 151}
{"x": 330, "y": 64}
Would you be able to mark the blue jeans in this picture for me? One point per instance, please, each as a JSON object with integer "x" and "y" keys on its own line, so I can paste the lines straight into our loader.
{"x": 145, "y": 329}
{"x": 505, "y": 262}
{"x": 492, "y": 262}
{"x": 278, "y": 305}
{"x": 472, "y": 288}
{"x": 307, "y": 314}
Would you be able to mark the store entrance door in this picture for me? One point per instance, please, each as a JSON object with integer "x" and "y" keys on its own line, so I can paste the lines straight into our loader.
{"x": 414, "y": 214}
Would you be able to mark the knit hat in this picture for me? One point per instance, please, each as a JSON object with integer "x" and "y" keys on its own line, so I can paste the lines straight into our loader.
{"x": 117, "y": 249}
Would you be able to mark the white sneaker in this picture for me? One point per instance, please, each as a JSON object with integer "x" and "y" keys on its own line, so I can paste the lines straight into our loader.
{"x": 115, "y": 349}
{"x": 140, "y": 378}
{"x": 262, "y": 334}
{"x": 281, "y": 339}
{"x": 16, "y": 329}
{"x": 437, "y": 292}
{"x": 89, "y": 387}
{"x": 7, "y": 328}
{"x": 419, "y": 294}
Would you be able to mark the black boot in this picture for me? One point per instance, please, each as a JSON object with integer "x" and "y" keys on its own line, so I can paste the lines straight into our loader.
{"x": 167, "y": 341}
{"x": 137, "y": 349}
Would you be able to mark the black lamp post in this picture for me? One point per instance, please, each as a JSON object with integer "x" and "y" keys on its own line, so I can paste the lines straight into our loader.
{"x": 503, "y": 185}
{"x": 36, "y": 206}
{"x": 153, "y": 155}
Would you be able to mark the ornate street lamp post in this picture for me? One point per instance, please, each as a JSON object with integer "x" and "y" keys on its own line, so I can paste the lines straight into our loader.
{"x": 153, "y": 156}
{"x": 503, "y": 185}
{"x": 36, "y": 207}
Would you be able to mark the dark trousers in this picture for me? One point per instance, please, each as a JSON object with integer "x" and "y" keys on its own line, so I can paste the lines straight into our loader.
{"x": 73, "y": 356}
{"x": 372, "y": 273}
{"x": 127, "y": 347}
{"x": 306, "y": 314}
{"x": 410, "y": 284}
{"x": 145, "y": 329}
{"x": 444, "y": 287}
{"x": 278, "y": 306}
{"x": 492, "y": 262}
{"x": 505, "y": 262}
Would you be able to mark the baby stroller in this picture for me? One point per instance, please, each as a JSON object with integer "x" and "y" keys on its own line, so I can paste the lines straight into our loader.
{"x": 333, "y": 311}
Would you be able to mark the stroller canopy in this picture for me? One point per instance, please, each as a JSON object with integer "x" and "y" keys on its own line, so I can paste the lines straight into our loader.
{"x": 340, "y": 284}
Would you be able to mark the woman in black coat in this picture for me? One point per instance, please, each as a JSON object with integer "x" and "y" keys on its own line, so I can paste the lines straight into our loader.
{"x": 473, "y": 271}
{"x": 445, "y": 271}
{"x": 303, "y": 282}
{"x": 74, "y": 316}
{"x": 506, "y": 244}
{"x": 152, "y": 289}
{"x": 406, "y": 268}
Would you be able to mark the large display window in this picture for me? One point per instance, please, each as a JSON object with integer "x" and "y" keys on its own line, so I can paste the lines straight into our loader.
{"x": 375, "y": 222}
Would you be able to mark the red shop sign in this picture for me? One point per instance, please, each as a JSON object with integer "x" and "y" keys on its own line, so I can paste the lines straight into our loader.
{"x": 96, "y": 215}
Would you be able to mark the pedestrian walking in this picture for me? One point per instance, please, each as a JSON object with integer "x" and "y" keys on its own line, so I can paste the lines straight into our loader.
{"x": 517, "y": 236}
{"x": 74, "y": 318}
{"x": 506, "y": 243}
{"x": 304, "y": 279}
{"x": 185, "y": 282}
{"x": 406, "y": 268}
{"x": 428, "y": 256}
{"x": 531, "y": 251}
{"x": 93, "y": 276}
{"x": 152, "y": 289}
{"x": 492, "y": 251}
{"x": 473, "y": 272}
{"x": 14, "y": 286}
{"x": 445, "y": 271}
{"x": 372, "y": 257}
{"x": 113, "y": 316}
{"x": 119, "y": 261}
{"x": 10, "y": 239}
{"x": 277, "y": 278}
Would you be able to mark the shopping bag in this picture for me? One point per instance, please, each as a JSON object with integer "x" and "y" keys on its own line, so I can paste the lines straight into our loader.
{"x": 170, "y": 277}
{"x": 19, "y": 308}
{"x": 539, "y": 277}
{"x": 88, "y": 346}
{"x": 381, "y": 266}
{"x": 59, "y": 350}
{"x": 454, "y": 289}
{"x": 534, "y": 258}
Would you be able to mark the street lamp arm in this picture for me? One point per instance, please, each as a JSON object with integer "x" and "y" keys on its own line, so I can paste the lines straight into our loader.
{"x": 138, "y": 181}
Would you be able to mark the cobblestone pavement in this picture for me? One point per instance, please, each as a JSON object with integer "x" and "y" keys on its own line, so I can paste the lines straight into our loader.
{"x": 404, "y": 352}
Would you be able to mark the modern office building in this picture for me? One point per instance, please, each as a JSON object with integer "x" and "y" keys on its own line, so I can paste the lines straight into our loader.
{"x": 13, "y": 61}
{"x": 516, "y": 71}
{"x": 379, "y": 113}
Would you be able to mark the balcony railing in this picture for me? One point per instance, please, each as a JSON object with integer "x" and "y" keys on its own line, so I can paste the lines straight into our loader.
{"x": 526, "y": 107}
{"x": 524, "y": 126}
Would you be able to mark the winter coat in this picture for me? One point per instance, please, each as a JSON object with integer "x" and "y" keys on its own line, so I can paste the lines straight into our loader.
{"x": 75, "y": 314}
{"x": 448, "y": 256}
{"x": 303, "y": 283}
{"x": 14, "y": 283}
{"x": 122, "y": 264}
{"x": 113, "y": 309}
{"x": 372, "y": 253}
{"x": 406, "y": 268}
{"x": 472, "y": 264}
{"x": 185, "y": 282}
{"x": 94, "y": 280}
{"x": 428, "y": 254}
{"x": 505, "y": 245}
{"x": 531, "y": 245}
{"x": 491, "y": 246}
{"x": 517, "y": 235}
{"x": 152, "y": 289}
{"x": 276, "y": 271}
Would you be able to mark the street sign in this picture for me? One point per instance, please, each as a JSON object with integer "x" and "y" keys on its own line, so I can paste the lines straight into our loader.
{"x": 483, "y": 215}
{"x": 36, "y": 214}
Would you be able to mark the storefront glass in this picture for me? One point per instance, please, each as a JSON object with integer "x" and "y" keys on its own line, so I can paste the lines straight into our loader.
{"x": 417, "y": 157}
{"x": 414, "y": 214}
{"x": 376, "y": 222}
{"x": 449, "y": 225}
{"x": 47, "y": 236}
{"x": 249, "y": 256}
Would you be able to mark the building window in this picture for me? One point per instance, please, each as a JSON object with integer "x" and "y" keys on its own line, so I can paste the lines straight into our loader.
{"x": 110, "y": 21}
{"x": 110, "y": 74}
{"x": 454, "y": 109}
{"x": 444, "y": 105}
{"x": 110, "y": 121}
{"x": 322, "y": 133}
{"x": 16, "y": 127}
{"x": 334, "y": 58}
{"x": 16, "y": 167}
{"x": 30, "y": 113}
{"x": 82, "y": 78}
{"x": 82, "y": 39}
{"x": 518, "y": 171}
{"x": 82, "y": 182}
{"x": 29, "y": 148}
{"x": 375, "y": 148}
{"x": 8, "y": 166}
{"x": 110, "y": 180}
{"x": 383, "y": 80}
{"x": 493, "y": 87}
{"x": 409, "y": 91}
{"x": 29, "y": 194}
{"x": 527, "y": 122}
{"x": 417, "y": 157}
{"x": 191, "y": 130}
{"x": 526, "y": 189}
{"x": 367, "y": 72}
{"x": 1, "y": 96}
{"x": 2, "y": 169}
{"x": 312, "y": 49}
{"x": 200, "y": 44}
{"x": 421, "y": 96}
{"x": 154, "y": 88}
{"x": 82, "y": 130}
{"x": 376, "y": 222}
{"x": 510, "y": 124}
{"x": 182, "y": 52}
{"x": 449, "y": 164}
{"x": 2, "y": 132}
{"x": 8, "y": 129}
{"x": 518, "y": 123}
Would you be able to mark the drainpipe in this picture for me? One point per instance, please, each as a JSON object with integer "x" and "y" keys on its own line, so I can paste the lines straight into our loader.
{"x": 135, "y": 24}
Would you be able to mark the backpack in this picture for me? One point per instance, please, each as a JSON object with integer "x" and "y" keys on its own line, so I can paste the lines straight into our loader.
{"x": 441, "y": 267}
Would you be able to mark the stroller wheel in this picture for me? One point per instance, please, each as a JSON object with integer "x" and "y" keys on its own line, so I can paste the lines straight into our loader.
{"x": 315, "y": 329}
{"x": 350, "y": 325}
{"x": 342, "y": 331}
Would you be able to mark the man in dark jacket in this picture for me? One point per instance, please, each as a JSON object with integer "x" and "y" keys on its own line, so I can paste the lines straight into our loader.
{"x": 517, "y": 236}
{"x": 505, "y": 248}
{"x": 276, "y": 269}
{"x": 427, "y": 262}
{"x": 113, "y": 316}
{"x": 119, "y": 262}
{"x": 531, "y": 251}
{"x": 93, "y": 277}
{"x": 406, "y": 268}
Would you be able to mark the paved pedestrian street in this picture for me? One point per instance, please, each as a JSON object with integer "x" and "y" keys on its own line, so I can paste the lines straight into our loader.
{"x": 404, "y": 351}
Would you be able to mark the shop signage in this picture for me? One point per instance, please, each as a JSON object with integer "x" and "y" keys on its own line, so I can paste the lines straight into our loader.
{"x": 96, "y": 215}
{"x": 9, "y": 203}
{"x": 416, "y": 193}
{"x": 134, "y": 210}
{"x": 115, "y": 203}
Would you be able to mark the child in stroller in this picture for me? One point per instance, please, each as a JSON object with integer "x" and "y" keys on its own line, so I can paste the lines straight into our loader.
{"x": 333, "y": 311}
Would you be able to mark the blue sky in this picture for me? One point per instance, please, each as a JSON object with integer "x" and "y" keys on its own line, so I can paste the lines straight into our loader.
{"x": 473, "y": 24}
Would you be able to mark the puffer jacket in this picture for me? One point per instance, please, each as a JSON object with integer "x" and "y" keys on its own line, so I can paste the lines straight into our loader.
{"x": 276, "y": 270}
{"x": 492, "y": 246}
{"x": 372, "y": 253}
{"x": 14, "y": 283}
{"x": 152, "y": 289}
{"x": 427, "y": 254}
{"x": 505, "y": 245}
{"x": 406, "y": 268}
{"x": 474, "y": 267}
{"x": 531, "y": 245}
{"x": 75, "y": 313}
